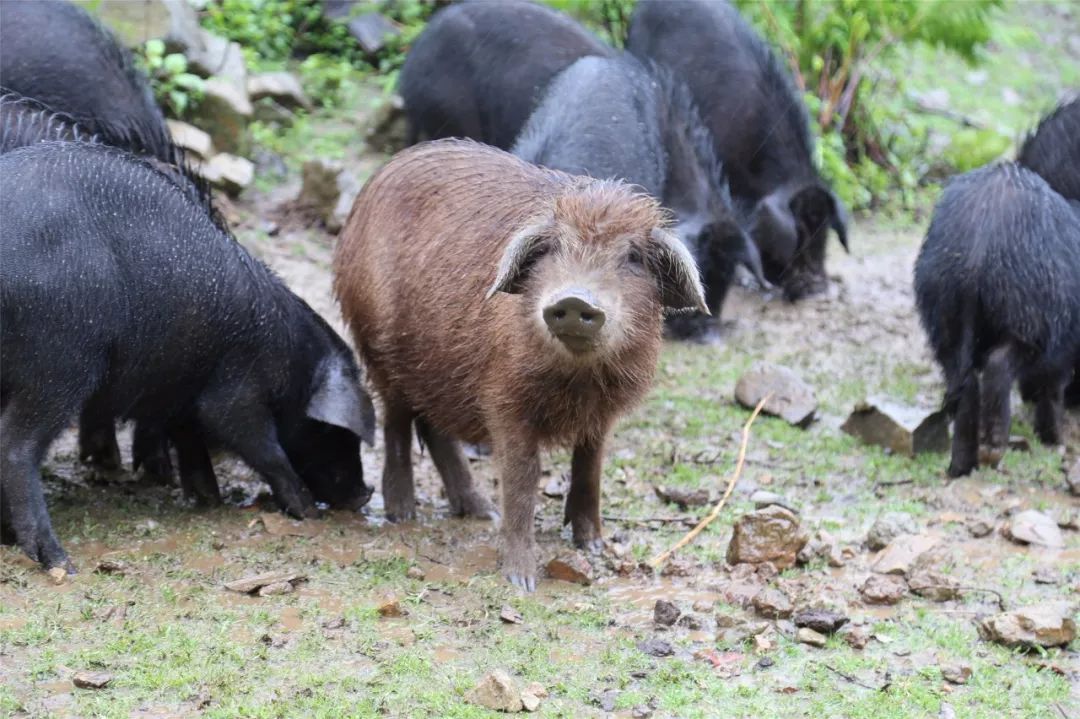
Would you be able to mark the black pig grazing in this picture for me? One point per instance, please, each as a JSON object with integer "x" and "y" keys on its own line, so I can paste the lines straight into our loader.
{"x": 760, "y": 128}
{"x": 58, "y": 54}
{"x": 1053, "y": 151}
{"x": 121, "y": 297}
{"x": 616, "y": 118}
{"x": 479, "y": 69}
{"x": 24, "y": 121}
{"x": 997, "y": 284}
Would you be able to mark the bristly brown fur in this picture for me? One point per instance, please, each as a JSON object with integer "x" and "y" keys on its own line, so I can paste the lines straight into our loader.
{"x": 413, "y": 264}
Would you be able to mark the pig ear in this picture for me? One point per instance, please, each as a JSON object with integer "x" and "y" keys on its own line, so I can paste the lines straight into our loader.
{"x": 840, "y": 221}
{"x": 773, "y": 228}
{"x": 676, "y": 272}
{"x": 341, "y": 401}
{"x": 524, "y": 248}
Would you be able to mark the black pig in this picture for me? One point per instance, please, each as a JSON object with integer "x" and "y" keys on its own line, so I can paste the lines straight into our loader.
{"x": 24, "y": 121}
{"x": 121, "y": 297}
{"x": 997, "y": 284}
{"x": 617, "y": 118}
{"x": 58, "y": 54}
{"x": 759, "y": 125}
{"x": 479, "y": 69}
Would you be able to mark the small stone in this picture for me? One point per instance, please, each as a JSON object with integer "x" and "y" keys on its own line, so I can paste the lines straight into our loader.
{"x": 283, "y": 87}
{"x": 530, "y": 702}
{"x": 111, "y": 566}
{"x": 496, "y": 691}
{"x": 883, "y": 589}
{"x": 900, "y": 555}
{"x": 509, "y": 615}
{"x": 147, "y": 526}
{"x": 557, "y": 486}
{"x": 888, "y": 527}
{"x": 641, "y": 711}
{"x": 229, "y": 172}
{"x": 275, "y": 589}
{"x": 536, "y": 689}
{"x": 1041, "y": 625}
{"x": 703, "y": 606}
{"x": 224, "y": 113}
{"x": 956, "y": 672}
{"x": 665, "y": 613}
{"x": 678, "y": 568}
{"x": 389, "y": 128}
{"x": 933, "y": 585}
{"x": 691, "y": 622}
{"x": 822, "y": 546}
{"x": 772, "y": 603}
{"x": 371, "y": 30}
{"x": 763, "y": 498}
{"x": 772, "y": 534}
{"x": 681, "y": 497}
{"x": 979, "y": 528}
{"x": 193, "y": 140}
{"x": 328, "y": 190}
{"x": 58, "y": 575}
{"x": 904, "y": 430}
{"x": 806, "y": 635}
{"x": 823, "y": 621}
{"x": 657, "y": 647}
{"x": 1034, "y": 527}
{"x": 571, "y": 567}
{"x": 247, "y": 585}
{"x": 91, "y": 680}
{"x": 415, "y": 572}
{"x": 391, "y": 608}
{"x": 335, "y": 623}
{"x": 792, "y": 399}
{"x": 1046, "y": 575}
{"x": 857, "y": 637}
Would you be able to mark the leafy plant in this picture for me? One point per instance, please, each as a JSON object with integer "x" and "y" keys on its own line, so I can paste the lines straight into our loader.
{"x": 610, "y": 17}
{"x": 174, "y": 87}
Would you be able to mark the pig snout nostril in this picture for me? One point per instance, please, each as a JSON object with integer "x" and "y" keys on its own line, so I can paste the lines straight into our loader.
{"x": 559, "y": 314}
{"x": 587, "y": 316}
{"x": 574, "y": 320}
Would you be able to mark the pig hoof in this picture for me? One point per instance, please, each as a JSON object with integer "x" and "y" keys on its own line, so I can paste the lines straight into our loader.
{"x": 592, "y": 545}
{"x": 474, "y": 504}
{"x": 990, "y": 456}
{"x": 402, "y": 515}
{"x": 959, "y": 470}
{"x": 524, "y": 582}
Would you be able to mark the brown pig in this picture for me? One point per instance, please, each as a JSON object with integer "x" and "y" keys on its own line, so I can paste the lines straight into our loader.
{"x": 495, "y": 301}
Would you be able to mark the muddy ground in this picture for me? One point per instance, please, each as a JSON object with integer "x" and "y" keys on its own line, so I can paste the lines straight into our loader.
{"x": 150, "y": 609}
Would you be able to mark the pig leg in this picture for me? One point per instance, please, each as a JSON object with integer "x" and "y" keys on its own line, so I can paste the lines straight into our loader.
{"x": 583, "y": 500}
{"x": 965, "y": 444}
{"x": 464, "y": 500}
{"x": 399, "y": 496}
{"x": 196, "y": 471}
{"x": 519, "y": 472}
{"x": 21, "y": 495}
{"x": 150, "y": 450}
{"x": 997, "y": 380}
{"x": 1048, "y": 394}
{"x": 97, "y": 436}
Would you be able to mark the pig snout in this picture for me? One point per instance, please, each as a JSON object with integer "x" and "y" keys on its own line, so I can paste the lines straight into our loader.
{"x": 575, "y": 319}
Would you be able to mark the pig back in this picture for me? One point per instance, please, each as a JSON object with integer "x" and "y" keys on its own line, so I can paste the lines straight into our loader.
{"x": 413, "y": 265}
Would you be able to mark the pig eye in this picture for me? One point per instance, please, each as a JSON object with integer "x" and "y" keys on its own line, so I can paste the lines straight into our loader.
{"x": 634, "y": 258}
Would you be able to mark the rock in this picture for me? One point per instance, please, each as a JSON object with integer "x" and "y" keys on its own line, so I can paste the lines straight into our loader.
{"x": 328, "y": 190}
{"x": 571, "y": 567}
{"x": 822, "y": 546}
{"x": 111, "y": 566}
{"x": 214, "y": 56}
{"x": 932, "y": 585}
{"x": 771, "y": 534}
{"x": 883, "y": 589}
{"x": 888, "y": 527}
{"x": 682, "y": 497}
{"x": 704, "y": 606}
{"x": 390, "y": 608}
{"x": 772, "y": 603}
{"x": 665, "y": 613}
{"x": 678, "y": 567}
{"x": 858, "y": 637}
{"x": 229, "y": 172}
{"x": 657, "y": 647}
{"x": 1041, "y": 625}
{"x": 283, "y": 87}
{"x": 91, "y": 680}
{"x": 1019, "y": 444}
{"x": 496, "y": 691}
{"x": 899, "y": 556}
{"x": 509, "y": 615}
{"x": 956, "y": 672}
{"x": 557, "y": 486}
{"x": 224, "y": 113}
{"x": 792, "y": 399}
{"x": 979, "y": 528}
{"x": 904, "y": 430}
{"x": 1034, "y": 527}
{"x": 1073, "y": 477}
{"x": 389, "y": 128}
{"x": 806, "y": 635}
{"x": 194, "y": 141}
{"x": 531, "y": 696}
{"x": 763, "y": 498}
{"x": 58, "y": 575}
{"x": 1047, "y": 575}
{"x": 415, "y": 572}
{"x": 275, "y": 589}
{"x": 823, "y": 621}
{"x": 691, "y": 622}
{"x": 137, "y": 22}
{"x": 371, "y": 31}
{"x": 247, "y": 585}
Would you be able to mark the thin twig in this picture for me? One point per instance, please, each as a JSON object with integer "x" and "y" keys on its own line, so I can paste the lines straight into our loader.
{"x": 685, "y": 519}
{"x": 855, "y": 680}
{"x": 689, "y": 537}
{"x": 962, "y": 590}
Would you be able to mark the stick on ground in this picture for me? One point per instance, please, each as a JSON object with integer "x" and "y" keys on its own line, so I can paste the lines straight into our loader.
{"x": 689, "y": 537}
